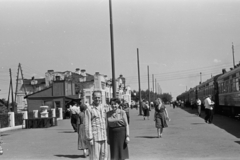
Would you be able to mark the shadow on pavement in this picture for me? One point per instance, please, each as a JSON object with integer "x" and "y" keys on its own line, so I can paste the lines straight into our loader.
{"x": 146, "y": 137}
{"x": 197, "y": 123}
{"x": 4, "y": 135}
{"x": 67, "y": 132}
{"x": 70, "y": 156}
{"x": 228, "y": 124}
{"x": 238, "y": 142}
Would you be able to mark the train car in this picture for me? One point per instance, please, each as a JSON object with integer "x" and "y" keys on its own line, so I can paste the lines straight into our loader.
{"x": 184, "y": 97}
{"x": 193, "y": 95}
{"x": 229, "y": 91}
{"x": 209, "y": 87}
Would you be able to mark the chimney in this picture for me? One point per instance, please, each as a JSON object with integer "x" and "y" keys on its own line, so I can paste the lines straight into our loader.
{"x": 50, "y": 71}
{"x": 77, "y": 71}
{"x": 83, "y": 72}
{"x": 224, "y": 71}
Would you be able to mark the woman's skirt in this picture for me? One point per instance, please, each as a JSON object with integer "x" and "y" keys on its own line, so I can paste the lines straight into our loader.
{"x": 161, "y": 122}
{"x": 82, "y": 141}
{"x": 118, "y": 146}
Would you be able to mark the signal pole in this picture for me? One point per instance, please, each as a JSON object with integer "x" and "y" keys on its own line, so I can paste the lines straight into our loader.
{"x": 112, "y": 51}
{"x": 148, "y": 86}
{"x": 233, "y": 55}
{"x": 139, "y": 86}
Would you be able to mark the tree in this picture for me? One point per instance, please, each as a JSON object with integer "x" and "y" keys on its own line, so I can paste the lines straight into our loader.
{"x": 166, "y": 97}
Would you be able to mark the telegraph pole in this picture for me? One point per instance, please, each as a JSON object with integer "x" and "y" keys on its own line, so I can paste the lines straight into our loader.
{"x": 200, "y": 77}
{"x": 153, "y": 86}
{"x": 17, "y": 82}
{"x": 139, "y": 86}
{"x": 156, "y": 87}
{"x": 148, "y": 86}
{"x": 11, "y": 90}
{"x": 112, "y": 51}
{"x": 233, "y": 55}
{"x": 23, "y": 79}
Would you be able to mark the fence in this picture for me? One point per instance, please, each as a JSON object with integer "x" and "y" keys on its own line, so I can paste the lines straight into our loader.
{"x": 4, "y": 120}
{"x": 18, "y": 119}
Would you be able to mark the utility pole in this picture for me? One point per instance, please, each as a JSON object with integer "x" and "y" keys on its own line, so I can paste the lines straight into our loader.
{"x": 153, "y": 86}
{"x": 17, "y": 82}
{"x": 148, "y": 86}
{"x": 233, "y": 55}
{"x": 139, "y": 86}
{"x": 112, "y": 51}
{"x": 200, "y": 77}
{"x": 156, "y": 87}
{"x": 23, "y": 79}
{"x": 11, "y": 90}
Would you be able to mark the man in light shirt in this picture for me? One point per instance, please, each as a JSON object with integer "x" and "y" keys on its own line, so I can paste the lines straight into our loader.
{"x": 199, "y": 107}
{"x": 95, "y": 128}
{"x": 74, "y": 111}
{"x": 209, "y": 104}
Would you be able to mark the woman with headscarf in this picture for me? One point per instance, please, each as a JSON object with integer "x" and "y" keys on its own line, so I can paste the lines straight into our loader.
{"x": 160, "y": 116}
{"x": 82, "y": 141}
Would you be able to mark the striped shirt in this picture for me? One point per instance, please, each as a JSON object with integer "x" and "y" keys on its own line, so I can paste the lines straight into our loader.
{"x": 95, "y": 123}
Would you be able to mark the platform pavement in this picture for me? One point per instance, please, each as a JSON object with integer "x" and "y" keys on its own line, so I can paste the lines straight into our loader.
{"x": 187, "y": 137}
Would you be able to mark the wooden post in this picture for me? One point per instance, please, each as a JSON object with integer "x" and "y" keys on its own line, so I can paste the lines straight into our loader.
{"x": 139, "y": 86}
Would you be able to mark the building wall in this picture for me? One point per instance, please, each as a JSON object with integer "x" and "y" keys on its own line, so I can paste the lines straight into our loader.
{"x": 58, "y": 89}
{"x": 34, "y": 104}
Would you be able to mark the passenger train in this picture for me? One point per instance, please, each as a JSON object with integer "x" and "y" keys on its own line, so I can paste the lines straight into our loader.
{"x": 224, "y": 89}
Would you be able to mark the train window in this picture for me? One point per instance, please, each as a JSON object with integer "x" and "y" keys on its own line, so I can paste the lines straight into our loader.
{"x": 237, "y": 84}
{"x": 220, "y": 87}
{"x": 225, "y": 86}
{"x": 230, "y": 85}
{"x": 234, "y": 84}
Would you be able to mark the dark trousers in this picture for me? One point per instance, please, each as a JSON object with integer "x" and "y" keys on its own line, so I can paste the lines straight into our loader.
{"x": 209, "y": 115}
{"x": 74, "y": 118}
{"x": 199, "y": 110}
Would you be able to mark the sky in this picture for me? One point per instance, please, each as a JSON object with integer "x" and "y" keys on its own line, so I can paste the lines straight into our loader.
{"x": 177, "y": 39}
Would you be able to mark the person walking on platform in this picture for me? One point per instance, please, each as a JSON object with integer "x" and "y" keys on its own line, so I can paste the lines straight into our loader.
{"x": 160, "y": 117}
{"x": 209, "y": 104}
{"x": 199, "y": 103}
{"x": 146, "y": 109}
{"x": 95, "y": 128}
{"x": 118, "y": 131}
{"x": 74, "y": 112}
{"x": 82, "y": 140}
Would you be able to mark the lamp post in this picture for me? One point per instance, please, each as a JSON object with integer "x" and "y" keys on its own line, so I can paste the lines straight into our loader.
{"x": 112, "y": 50}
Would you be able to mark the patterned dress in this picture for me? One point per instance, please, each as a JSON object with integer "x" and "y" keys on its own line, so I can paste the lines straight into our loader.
{"x": 160, "y": 117}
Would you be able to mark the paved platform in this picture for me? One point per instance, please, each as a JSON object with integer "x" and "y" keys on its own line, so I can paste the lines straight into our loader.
{"x": 188, "y": 137}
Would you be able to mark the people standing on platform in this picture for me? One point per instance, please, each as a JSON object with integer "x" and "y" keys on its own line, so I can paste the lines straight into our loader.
{"x": 74, "y": 112}
{"x": 199, "y": 103}
{"x": 82, "y": 140}
{"x": 160, "y": 117}
{"x": 95, "y": 128}
{"x": 209, "y": 104}
{"x": 118, "y": 131}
